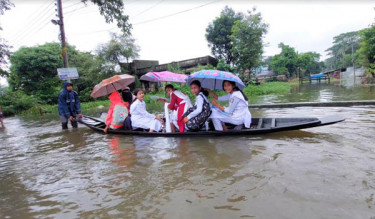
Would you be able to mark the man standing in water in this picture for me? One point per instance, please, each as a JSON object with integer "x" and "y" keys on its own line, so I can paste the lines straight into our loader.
{"x": 69, "y": 106}
{"x": 1, "y": 117}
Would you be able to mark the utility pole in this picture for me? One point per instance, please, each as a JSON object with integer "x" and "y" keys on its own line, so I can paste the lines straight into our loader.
{"x": 353, "y": 63}
{"x": 60, "y": 22}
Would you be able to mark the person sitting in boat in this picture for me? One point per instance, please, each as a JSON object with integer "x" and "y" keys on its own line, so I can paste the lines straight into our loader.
{"x": 196, "y": 116}
{"x": 117, "y": 112}
{"x": 127, "y": 96}
{"x": 179, "y": 104}
{"x": 237, "y": 113}
{"x": 140, "y": 117}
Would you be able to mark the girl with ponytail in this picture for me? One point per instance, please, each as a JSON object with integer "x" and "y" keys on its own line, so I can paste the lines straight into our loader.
{"x": 237, "y": 113}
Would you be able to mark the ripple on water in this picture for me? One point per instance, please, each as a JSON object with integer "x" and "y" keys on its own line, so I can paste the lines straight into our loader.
{"x": 324, "y": 172}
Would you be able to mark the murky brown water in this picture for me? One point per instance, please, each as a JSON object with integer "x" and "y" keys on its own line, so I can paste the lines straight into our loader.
{"x": 325, "y": 172}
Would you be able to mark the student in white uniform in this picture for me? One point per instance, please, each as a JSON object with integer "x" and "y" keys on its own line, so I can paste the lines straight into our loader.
{"x": 140, "y": 117}
{"x": 196, "y": 116}
{"x": 237, "y": 113}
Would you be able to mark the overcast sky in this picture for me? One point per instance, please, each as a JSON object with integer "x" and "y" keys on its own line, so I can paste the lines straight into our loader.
{"x": 169, "y": 30}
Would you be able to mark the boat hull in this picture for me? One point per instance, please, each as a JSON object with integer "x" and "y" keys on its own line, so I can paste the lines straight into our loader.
{"x": 259, "y": 126}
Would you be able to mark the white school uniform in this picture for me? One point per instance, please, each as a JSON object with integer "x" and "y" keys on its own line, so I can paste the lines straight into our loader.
{"x": 141, "y": 118}
{"x": 236, "y": 113}
{"x": 199, "y": 101}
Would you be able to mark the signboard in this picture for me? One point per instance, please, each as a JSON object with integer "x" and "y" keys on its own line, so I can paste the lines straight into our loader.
{"x": 67, "y": 73}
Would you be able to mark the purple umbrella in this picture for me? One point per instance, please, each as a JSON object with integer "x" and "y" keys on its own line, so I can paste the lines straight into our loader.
{"x": 164, "y": 76}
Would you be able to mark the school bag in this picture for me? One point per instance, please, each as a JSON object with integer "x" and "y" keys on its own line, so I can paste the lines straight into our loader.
{"x": 197, "y": 122}
{"x": 119, "y": 115}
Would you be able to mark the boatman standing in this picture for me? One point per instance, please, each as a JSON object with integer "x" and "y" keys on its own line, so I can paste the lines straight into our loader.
{"x": 69, "y": 106}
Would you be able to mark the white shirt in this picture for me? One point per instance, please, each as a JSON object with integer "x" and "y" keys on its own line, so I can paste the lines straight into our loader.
{"x": 199, "y": 101}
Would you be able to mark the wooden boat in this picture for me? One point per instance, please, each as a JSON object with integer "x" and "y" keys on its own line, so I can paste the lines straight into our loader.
{"x": 258, "y": 126}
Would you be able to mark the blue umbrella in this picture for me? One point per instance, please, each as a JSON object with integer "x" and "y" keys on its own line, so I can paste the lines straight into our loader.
{"x": 213, "y": 79}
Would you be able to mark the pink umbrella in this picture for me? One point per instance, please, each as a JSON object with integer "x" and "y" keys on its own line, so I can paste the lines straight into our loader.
{"x": 164, "y": 76}
{"x": 109, "y": 85}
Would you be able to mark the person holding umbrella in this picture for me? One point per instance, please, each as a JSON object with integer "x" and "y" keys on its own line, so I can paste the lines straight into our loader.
{"x": 118, "y": 113}
{"x": 237, "y": 113}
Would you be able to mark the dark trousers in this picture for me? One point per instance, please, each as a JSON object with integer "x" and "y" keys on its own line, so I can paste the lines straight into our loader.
{"x": 64, "y": 122}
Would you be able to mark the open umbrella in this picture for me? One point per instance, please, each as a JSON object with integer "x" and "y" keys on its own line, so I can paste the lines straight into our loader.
{"x": 213, "y": 79}
{"x": 164, "y": 76}
{"x": 109, "y": 85}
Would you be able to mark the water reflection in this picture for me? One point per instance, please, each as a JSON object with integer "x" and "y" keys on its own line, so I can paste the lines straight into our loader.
{"x": 319, "y": 93}
{"x": 46, "y": 172}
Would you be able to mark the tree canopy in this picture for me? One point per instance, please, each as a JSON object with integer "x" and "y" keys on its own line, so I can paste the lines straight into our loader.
{"x": 218, "y": 34}
{"x": 341, "y": 54}
{"x": 247, "y": 38}
{"x": 34, "y": 71}
{"x": 290, "y": 63}
{"x": 237, "y": 38}
{"x": 4, "y": 47}
{"x": 367, "y": 50}
{"x": 113, "y": 10}
{"x": 120, "y": 49}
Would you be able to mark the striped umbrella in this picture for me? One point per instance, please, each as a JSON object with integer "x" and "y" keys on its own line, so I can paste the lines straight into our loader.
{"x": 109, "y": 85}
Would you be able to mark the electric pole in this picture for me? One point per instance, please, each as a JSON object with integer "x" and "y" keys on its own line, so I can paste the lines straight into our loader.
{"x": 353, "y": 63}
{"x": 60, "y": 22}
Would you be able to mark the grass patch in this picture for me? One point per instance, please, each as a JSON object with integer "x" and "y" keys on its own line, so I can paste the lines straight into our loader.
{"x": 86, "y": 106}
{"x": 267, "y": 88}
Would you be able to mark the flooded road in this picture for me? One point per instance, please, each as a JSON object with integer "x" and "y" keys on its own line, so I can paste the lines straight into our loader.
{"x": 323, "y": 172}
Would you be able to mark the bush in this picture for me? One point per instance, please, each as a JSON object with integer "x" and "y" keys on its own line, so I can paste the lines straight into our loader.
{"x": 14, "y": 102}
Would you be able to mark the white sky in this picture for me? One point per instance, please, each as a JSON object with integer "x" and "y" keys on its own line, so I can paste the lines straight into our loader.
{"x": 307, "y": 26}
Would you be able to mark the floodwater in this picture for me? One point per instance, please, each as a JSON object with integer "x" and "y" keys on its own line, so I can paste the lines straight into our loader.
{"x": 323, "y": 172}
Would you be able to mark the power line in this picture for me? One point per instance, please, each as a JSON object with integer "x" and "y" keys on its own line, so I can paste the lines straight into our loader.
{"x": 31, "y": 20}
{"x": 72, "y": 11}
{"x": 177, "y": 13}
{"x": 154, "y": 19}
{"x": 69, "y": 6}
{"x": 142, "y": 12}
{"x": 40, "y": 26}
{"x": 35, "y": 25}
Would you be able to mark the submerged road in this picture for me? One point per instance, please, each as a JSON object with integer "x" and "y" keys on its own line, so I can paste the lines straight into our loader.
{"x": 316, "y": 104}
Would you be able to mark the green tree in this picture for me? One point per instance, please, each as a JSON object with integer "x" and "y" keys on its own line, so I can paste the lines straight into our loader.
{"x": 119, "y": 50}
{"x": 286, "y": 62}
{"x": 223, "y": 66}
{"x": 343, "y": 49}
{"x": 4, "y": 47}
{"x": 91, "y": 69}
{"x": 247, "y": 35}
{"x": 218, "y": 34}
{"x": 367, "y": 50}
{"x": 113, "y": 10}
{"x": 290, "y": 63}
{"x": 33, "y": 70}
{"x": 309, "y": 63}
